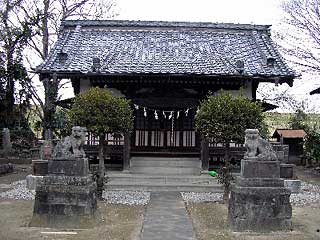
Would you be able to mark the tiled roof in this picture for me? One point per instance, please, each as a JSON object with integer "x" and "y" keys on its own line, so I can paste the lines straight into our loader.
{"x": 139, "y": 47}
{"x": 315, "y": 91}
{"x": 289, "y": 133}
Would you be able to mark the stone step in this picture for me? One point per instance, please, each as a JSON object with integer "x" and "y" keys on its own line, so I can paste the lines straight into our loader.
{"x": 124, "y": 178}
{"x": 166, "y": 162}
{"x": 165, "y": 158}
{"x": 145, "y": 182}
{"x": 147, "y": 186}
{"x": 165, "y": 165}
{"x": 165, "y": 170}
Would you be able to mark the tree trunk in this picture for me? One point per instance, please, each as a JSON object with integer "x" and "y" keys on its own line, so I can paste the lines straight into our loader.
{"x": 45, "y": 30}
{"x": 51, "y": 95}
{"x": 204, "y": 153}
{"x": 9, "y": 47}
{"x": 126, "y": 152}
{"x": 100, "y": 177}
{"x": 101, "y": 157}
{"x": 49, "y": 88}
{"x": 227, "y": 155}
{"x": 226, "y": 173}
{"x": 9, "y": 92}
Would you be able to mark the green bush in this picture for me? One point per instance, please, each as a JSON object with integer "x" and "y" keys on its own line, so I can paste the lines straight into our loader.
{"x": 102, "y": 113}
{"x": 224, "y": 118}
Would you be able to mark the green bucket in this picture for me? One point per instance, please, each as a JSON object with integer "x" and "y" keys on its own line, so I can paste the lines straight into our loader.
{"x": 212, "y": 173}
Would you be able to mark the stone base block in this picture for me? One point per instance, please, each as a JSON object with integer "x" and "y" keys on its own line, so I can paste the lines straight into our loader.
{"x": 68, "y": 199}
{"x": 67, "y": 167}
{"x": 260, "y": 169}
{"x": 293, "y": 185}
{"x": 260, "y": 209}
{"x": 288, "y": 171}
{"x": 259, "y": 182}
{"x": 39, "y": 167}
{"x": 280, "y": 155}
{"x": 67, "y": 180}
{"x": 33, "y": 181}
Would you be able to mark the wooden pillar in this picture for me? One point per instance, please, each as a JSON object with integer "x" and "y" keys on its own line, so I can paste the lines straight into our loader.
{"x": 126, "y": 152}
{"x": 204, "y": 153}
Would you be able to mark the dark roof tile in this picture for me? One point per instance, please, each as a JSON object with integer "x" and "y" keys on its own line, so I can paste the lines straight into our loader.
{"x": 165, "y": 47}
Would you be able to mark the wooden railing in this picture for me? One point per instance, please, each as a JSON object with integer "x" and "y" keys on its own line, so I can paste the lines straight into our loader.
{"x": 215, "y": 152}
{"x": 164, "y": 138}
{"x": 115, "y": 152}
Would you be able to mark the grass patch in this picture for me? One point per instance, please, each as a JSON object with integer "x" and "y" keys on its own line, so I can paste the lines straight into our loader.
{"x": 210, "y": 223}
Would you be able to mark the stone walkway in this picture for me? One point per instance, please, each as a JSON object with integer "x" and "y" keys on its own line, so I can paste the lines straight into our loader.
{"x": 166, "y": 218}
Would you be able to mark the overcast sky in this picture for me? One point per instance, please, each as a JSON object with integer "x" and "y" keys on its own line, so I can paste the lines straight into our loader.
{"x": 236, "y": 11}
{"x": 266, "y": 12}
{"x": 233, "y": 11}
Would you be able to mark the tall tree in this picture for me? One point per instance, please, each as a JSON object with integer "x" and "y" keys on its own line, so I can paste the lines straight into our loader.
{"x": 16, "y": 29}
{"x": 299, "y": 36}
{"x": 298, "y": 120}
{"x": 52, "y": 13}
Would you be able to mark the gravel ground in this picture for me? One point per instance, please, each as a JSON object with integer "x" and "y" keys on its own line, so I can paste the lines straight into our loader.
{"x": 197, "y": 197}
{"x": 309, "y": 195}
{"x": 126, "y": 197}
{"x": 20, "y": 191}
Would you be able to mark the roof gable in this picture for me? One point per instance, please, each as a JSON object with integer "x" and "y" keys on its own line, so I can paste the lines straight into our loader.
{"x": 135, "y": 47}
{"x": 289, "y": 133}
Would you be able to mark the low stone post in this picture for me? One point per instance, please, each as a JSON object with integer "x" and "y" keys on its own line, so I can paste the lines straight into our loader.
{"x": 258, "y": 200}
{"x": 6, "y": 142}
{"x": 46, "y": 150}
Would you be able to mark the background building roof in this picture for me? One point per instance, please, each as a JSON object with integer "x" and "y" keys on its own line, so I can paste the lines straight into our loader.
{"x": 289, "y": 133}
{"x": 144, "y": 47}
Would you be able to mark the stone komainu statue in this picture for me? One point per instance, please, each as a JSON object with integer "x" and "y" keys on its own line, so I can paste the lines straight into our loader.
{"x": 257, "y": 147}
{"x": 71, "y": 146}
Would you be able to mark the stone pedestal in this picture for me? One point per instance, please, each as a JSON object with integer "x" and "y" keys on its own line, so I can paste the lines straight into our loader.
{"x": 288, "y": 171}
{"x": 259, "y": 201}
{"x": 39, "y": 167}
{"x": 46, "y": 150}
{"x": 66, "y": 197}
{"x": 294, "y": 185}
{"x": 33, "y": 181}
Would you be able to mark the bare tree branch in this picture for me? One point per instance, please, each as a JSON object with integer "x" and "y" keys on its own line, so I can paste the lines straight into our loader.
{"x": 299, "y": 38}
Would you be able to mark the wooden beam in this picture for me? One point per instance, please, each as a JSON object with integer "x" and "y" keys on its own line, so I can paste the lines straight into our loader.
{"x": 75, "y": 82}
{"x": 255, "y": 85}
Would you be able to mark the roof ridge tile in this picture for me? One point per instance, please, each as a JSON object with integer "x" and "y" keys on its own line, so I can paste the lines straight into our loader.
{"x": 159, "y": 24}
